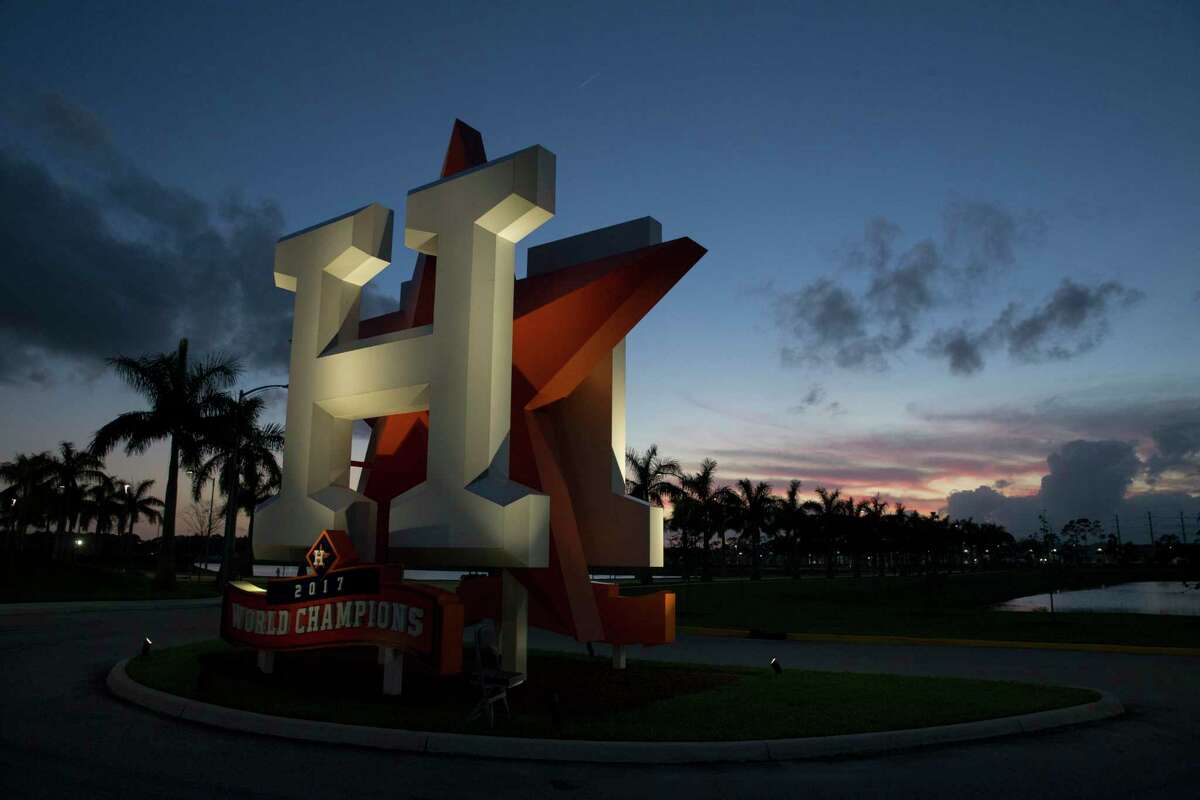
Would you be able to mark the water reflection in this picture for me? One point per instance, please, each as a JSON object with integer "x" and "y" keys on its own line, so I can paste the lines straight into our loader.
{"x": 1144, "y": 597}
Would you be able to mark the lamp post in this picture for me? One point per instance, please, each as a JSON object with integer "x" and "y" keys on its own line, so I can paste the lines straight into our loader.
{"x": 233, "y": 485}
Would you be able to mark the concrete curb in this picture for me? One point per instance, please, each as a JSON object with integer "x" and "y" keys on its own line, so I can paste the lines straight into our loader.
{"x": 89, "y": 606}
{"x": 124, "y": 687}
{"x": 844, "y": 638}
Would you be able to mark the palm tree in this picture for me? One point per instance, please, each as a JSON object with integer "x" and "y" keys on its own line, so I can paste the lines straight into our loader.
{"x": 136, "y": 503}
{"x": 259, "y": 483}
{"x": 898, "y": 530}
{"x": 755, "y": 507}
{"x": 236, "y": 429}
{"x": 873, "y": 510}
{"x": 793, "y": 517}
{"x": 27, "y": 477}
{"x": 829, "y": 509}
{"x": 647, "y": 480}
{"x": 71, "y": 472}
{"x": 102, "y": 505}
{"x": 701, "y": 504}
{"x": 183, "y": 398}
{"x": 648, "y": 473}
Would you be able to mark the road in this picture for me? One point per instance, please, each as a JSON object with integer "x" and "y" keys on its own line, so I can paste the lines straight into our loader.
{"x": 63, "y": 735}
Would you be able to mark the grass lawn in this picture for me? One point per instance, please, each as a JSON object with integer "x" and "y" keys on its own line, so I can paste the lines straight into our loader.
{"x": 49, "y": 581}
{"x": 942, "y": 606}
{"x": 649, "y": 701}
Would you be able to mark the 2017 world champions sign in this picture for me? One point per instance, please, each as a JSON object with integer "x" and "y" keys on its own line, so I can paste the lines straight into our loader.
{"x": 344, "y": 603}
{"x": 497, "y": 414}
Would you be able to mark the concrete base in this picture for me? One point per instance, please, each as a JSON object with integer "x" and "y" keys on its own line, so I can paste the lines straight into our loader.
{"x": 514, "y": 623}
{"x": 393, "y": 670}
{"x": 266, "y": 661}
{"x": 121, "y": 685}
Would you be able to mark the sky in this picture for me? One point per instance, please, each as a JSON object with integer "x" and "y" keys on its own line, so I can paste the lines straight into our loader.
{"x": 953, "y": 251}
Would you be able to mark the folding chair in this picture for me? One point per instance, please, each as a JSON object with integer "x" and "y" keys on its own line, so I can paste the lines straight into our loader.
{"x": 493, "y": 682}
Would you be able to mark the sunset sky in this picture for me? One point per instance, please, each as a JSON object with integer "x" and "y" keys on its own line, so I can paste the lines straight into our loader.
{"x": 954, "y": 255}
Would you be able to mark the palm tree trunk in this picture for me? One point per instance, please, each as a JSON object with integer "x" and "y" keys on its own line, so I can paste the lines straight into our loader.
{"x": 755, "y": 574}
{"x": 250, "y": 545}
{"x": 232, "y": 484}
{"x": 165, "y": 574}
{"x": 706, "y": 563}
{"x": 830, "y": 566}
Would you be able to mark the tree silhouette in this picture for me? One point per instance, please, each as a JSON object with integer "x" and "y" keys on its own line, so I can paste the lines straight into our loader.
{"x": 183, "y": 398}
{"x": 71, "y": 471}
{"x": 755, "y": 506}
{"x": 236, "y": 428}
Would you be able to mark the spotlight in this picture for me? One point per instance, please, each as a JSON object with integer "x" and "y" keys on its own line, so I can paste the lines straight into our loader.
{"x": 79, "y": 542}
{"x": 146, "y": 645}
{"x": 776, "y": 666}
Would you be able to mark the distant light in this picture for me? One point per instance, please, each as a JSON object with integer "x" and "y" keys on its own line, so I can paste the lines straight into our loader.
{"x": 776, "y": 666}
{"x": 79, "y": 542}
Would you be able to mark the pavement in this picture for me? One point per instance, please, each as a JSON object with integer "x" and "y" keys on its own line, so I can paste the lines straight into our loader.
{"x": 63, "y": 735}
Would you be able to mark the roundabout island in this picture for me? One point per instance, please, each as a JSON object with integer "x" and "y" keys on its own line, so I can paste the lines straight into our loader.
{"x": 583, "y": 710}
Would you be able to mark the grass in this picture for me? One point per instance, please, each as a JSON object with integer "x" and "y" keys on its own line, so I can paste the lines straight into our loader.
{"x": 936, "y": 606}
{"x": 48, "y": 581}
{"x": 649, "y": 701}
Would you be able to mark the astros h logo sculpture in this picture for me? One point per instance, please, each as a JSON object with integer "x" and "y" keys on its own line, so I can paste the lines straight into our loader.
{"x": 496, "y": 405}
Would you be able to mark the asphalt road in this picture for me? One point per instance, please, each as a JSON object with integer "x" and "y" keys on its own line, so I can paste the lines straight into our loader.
{"x": 63, "y": 735}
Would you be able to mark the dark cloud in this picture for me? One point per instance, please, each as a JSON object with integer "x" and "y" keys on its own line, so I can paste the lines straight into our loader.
{"x": 978, "y": 504}
{"x": 874, "y": 252}
{"x": 1086, "y": 478}
{"x": 814, "y": 396}
{"x": 1177, "y": 447}
{"x": 829, "y": 323}
{"x": 128, "y": 264}
{"x": 1073, "y": 321}
{"x": 962, "y": 349}
{"x": 985, "y": 237}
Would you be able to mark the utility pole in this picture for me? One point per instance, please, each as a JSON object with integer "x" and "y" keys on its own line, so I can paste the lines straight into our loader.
{"x": 1182, "y": 530}
{"x": 1117, "y": 520}
{"x": 1150, "y": 522}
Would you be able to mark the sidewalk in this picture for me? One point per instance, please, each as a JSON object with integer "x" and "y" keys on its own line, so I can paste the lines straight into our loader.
{"x": 86, "y": 606}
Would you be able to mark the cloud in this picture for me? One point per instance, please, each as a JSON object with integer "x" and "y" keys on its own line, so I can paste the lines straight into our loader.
{"x": 874, "y": 252}
{"x": 1085, "y": 478}
{"x": 962, "y": 349}
{"x": 985, "y": 237}
{"x": 125, "y": 264}
{"x": 826, "y": 322}
{"x": 1177, "y": 447}
{"x": 812, "y": 397}
{"x": 1073, "y": 321}
{"x": 1088, "y": 478}
{"x": 829, "y": 323}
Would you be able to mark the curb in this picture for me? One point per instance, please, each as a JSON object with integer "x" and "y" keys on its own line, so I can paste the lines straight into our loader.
{"x": 88, "y": 606}
{"x": 460, "y": 744}
{"x": 840, "y": 638}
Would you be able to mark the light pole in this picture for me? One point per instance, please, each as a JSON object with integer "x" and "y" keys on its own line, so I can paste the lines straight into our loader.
{"x": 233, "y": 484}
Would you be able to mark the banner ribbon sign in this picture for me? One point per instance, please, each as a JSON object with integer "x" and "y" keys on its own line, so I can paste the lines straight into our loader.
{"x": 344, "y": 603}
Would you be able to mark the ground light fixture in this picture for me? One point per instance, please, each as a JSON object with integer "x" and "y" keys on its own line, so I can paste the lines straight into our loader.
{"x": 776, "y": 667}
{"x": 79, "y": 542}
{"x": 146, "y": 645}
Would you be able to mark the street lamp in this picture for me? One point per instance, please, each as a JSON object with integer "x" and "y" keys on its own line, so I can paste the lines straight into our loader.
{"x": 232, "y": 484}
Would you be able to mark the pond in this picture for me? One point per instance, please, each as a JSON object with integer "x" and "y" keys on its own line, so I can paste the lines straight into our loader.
{"x": 1144, "y": 597}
